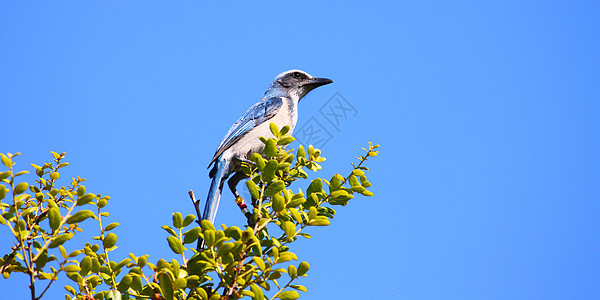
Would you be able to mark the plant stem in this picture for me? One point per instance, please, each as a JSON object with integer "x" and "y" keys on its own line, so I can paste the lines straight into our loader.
{"x": 43, "y": 292}
{"x": 283, "y": 288}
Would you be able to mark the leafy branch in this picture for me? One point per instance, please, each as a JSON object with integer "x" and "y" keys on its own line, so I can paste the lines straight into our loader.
{"x": 237, "y": 262}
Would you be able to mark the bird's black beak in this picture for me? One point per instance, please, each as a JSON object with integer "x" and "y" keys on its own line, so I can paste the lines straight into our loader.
{"x": 317, "y": 82}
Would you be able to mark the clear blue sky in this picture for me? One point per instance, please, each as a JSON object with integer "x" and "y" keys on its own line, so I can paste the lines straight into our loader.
{"x": 487, "y": 186}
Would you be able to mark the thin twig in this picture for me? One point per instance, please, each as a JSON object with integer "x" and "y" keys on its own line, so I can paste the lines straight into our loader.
{"x": 9, "y": 259}
{"x": 47, "y": 287}
{"x": 197, "y": 207}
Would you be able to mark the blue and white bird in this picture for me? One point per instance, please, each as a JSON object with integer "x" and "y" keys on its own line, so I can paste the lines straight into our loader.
{"x": 279, "y": 105}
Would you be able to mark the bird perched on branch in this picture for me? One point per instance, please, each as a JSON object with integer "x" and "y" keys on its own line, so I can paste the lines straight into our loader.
{"x": 279, "y": 105}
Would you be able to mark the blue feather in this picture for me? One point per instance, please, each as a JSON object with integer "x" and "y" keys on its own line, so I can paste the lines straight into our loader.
{"x": 214, "y": 194}
{"x": 256, "y": 115}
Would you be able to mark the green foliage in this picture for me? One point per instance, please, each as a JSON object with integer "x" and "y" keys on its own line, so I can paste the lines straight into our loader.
{"x": 255, "y": 262}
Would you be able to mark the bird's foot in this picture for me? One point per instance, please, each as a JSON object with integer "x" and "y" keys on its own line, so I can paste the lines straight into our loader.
{"x": 250, "y": 219}
{"x": 242, "y": 205}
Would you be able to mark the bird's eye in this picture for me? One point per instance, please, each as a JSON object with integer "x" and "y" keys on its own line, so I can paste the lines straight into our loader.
{"x": 297, "y": 75}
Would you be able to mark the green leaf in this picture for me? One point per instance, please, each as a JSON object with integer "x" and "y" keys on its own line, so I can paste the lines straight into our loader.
{"x": 247, "y": 234}
{"x": 72, "y": 268}
{"x": 175, "y": 268}
{"x": 180, "y": 283}
{"x": 20, "y": 188}
{"x": 233, "y": 232}
{"x": 274, "y": 188}
{"x": 209, "y": 237}
{"x": 256, "y": 245}
{"x": 259, "y": 160}
{"x": 288, "y": 295}
{"x": 86, "y": 265}
{"x": 289, "y": 228}
{"x": 121, "y": 264}
{"x": 102, "y": 203}
{"x": 311, "y": 151}
{"x": 301, "y": 152}
{"x": 312, "y": 213}
{"x": 358, "y": 172}
{"x": 274, "y": 252}
{"x": 278, "y": 202}
{"x": 21, "y": 173}
{"x": 3, "y": 191}
{"x": 54, "y": 218}
{"x": 70, "y": 290}
{"x": 175, "y": 245}
{"x": 166, "y": 285}
{"x": 367, "y": 193}
{"x": 169, "y": 230}
{"x": 6, "y": 161}
{"x": 259, "y": 262}
{"x": 296, "y": 215}
{"x": 191, "y": 235}
{"x": 271, "y": 148}
{"x": 188, "y": 220}
{"x": 54, "y": 175}
{"x": 109, "y": 240}
{"x": 59, "y": 240}
{"x": 80, "y": 190}
{"x": 340, "y": 197}
{"x": 258, "y": 293}
{"x": 141, "y": 262}
{"x": 113, "y": 295}
{"x": 95, "y": 265}
{"x": 274, "y": 129}
{"x": 177, "y": 220}
{"x": 80, "y": 216}
{"x": 298, "y": 287}
{"x": 324, "y": 221}
{"x": 357, "y": 189}
{"x": 284, "y": 130}
{"x": 137, "y": 284}
{"x": 5, "y": 174}
{"x": 285, "y": 257}
{"x": 202, "y": 293}
{"x": 268, "y": 173}
{"x": 303, "y": 268}
{"x": 74, "y": 276}
{"x": 125, "y": 283}
{"x": 253, "y": 189}
{"x": 226, "y": 248}
{"x": 206, "y": 224}
{"x": 63, "y": 251}
{"x": 55, "y": 155}
{"x": 316, "y": 186}
{"x": 285, "y": 140}
{"x": 111, "y": 226}
{"x": 292, "y": 271}
{"x": 85, "y": 199}
{"x": 335, "y": 182}
{"x": 296, "y": 201}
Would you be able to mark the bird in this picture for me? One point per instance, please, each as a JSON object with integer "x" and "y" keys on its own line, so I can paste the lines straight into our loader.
{"x": 278, "y": 105}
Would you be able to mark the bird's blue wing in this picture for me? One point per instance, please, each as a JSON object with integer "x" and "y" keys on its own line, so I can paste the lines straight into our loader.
{"x": 256, "y": 115}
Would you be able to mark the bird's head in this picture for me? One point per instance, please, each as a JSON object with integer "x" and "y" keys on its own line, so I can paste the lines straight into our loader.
{"x": 298, "y": 83}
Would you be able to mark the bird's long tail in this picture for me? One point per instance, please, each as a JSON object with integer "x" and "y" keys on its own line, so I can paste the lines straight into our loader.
{"x": 214, "y": 194}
